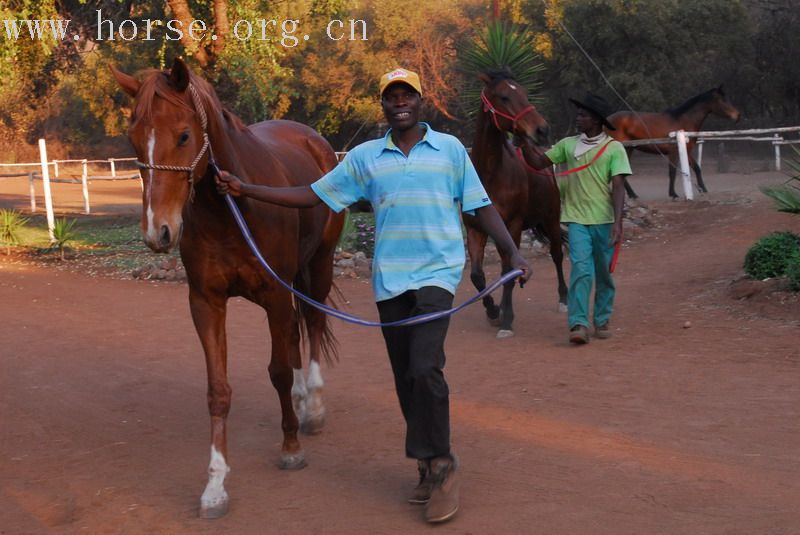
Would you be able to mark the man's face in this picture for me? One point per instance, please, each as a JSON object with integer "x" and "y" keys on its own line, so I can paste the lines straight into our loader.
{"x": 586, "y": 121}
{"x": 401, "y": 105}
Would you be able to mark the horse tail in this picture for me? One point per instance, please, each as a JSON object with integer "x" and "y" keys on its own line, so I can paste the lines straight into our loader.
{"x": 304, "y": 312}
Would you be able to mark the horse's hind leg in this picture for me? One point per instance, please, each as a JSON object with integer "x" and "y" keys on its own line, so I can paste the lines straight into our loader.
{"x": 209, "y": 320}
{"x": 557, "y": 254}
{"x": 285, "y": 335}
{"x": 476, "y": 243}
{"x": 628, "y": 188}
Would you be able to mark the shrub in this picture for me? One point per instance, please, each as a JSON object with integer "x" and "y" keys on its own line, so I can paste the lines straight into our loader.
{"x": 769, "y": 256}
{"x": 359, "y": 233}
{"x": 11, "y": 222}
{"x": 63, "y": 233}
{"x": 793, "y": 272}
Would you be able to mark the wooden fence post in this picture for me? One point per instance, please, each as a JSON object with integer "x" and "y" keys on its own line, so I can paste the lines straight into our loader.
{"x": 33, "y": 192}
{"x": 48, "y": 199}
{"x": 84, "y": 176}
{"x": 685, "y": 173}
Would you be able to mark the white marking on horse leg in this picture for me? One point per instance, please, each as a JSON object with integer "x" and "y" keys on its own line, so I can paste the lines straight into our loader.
{"x": 152, "y": 234}
{"x": 314, "y": 406}
{"x": 314, "y": 376}
{"x": 214, "y": 495}
{"x": 299, "y": 395}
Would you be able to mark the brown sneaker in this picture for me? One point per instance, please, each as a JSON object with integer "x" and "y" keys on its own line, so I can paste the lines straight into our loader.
{"x": 443, "y": 504}
{"x": 579, "y": 335}
{"x": 603, "y": 332}
{"x": 422, "y": 492}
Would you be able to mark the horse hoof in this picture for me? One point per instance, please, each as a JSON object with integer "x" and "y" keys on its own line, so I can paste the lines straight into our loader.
{"x": 504, "y": 333}
{"x": 562, "y": 308}
{"x": 292, "y": 461}
{"x": 312, "y": 425}
{"x": 216, "y": 510}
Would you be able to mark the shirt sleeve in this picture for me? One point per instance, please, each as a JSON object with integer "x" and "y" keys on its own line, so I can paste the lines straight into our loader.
{"x": 473, "y": 194}
{"x": 342, "y": 186}
{"x": 618, "y": 163}
{"x": 558, "y": 153}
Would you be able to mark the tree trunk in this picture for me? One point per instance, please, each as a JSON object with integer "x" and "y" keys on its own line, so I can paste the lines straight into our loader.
{"x": 221, "y": 26}
{"x": 180, "y": 8}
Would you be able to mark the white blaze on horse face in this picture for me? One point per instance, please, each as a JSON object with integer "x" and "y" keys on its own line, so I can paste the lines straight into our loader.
{"x": 512, "y": 86}
{"x": 215, "y": 494}
{"x": 151, "y": 147}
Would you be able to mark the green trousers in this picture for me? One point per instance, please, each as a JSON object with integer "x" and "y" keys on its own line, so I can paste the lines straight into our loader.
{"x": 590, "y": 256}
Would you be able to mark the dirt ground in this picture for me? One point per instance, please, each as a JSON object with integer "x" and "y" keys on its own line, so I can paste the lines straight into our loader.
{"x": 685, "y": 422}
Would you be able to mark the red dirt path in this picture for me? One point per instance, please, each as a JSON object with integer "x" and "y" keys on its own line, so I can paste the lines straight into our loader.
{"x": 660, "y": 430}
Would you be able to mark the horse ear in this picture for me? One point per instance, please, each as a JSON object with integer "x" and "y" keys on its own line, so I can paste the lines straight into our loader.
{"x": 485, "y": 78}
{"x": 128, "y": 83}
{"x": 721, "y": 91}
{"x": 179, "y": 75}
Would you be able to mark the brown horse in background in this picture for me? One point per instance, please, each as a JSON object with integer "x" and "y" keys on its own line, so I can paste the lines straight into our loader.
{"x": 177, "y": 124}
{"x": 689, "y": 116}
{"x": 525, "y": 199}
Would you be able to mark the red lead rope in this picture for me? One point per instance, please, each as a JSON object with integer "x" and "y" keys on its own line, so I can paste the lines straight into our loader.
{"x": 568, "y": 172}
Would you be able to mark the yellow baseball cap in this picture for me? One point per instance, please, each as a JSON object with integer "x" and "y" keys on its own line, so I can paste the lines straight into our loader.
{"x": 400, "y": 75}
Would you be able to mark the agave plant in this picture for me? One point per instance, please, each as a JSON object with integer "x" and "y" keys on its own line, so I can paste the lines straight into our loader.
{"x": 11, "y": 222}
{"x": 501, "y": 46}
{"x": 63, "y": 233}
{"x": 787, "y": 195}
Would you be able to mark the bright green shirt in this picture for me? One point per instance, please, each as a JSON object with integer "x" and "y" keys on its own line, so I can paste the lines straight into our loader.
{"x": 587, "y": 193}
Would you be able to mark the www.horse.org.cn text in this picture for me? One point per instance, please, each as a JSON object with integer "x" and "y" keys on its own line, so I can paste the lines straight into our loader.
{"x": 286, "y": 32}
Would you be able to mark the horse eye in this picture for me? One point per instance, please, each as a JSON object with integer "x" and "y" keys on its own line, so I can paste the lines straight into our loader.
{"x": 504, "y": 99}
{"x": 183, "y": 139}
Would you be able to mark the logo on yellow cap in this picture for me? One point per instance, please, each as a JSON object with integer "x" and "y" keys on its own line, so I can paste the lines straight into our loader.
{"x": 401, "y": 75}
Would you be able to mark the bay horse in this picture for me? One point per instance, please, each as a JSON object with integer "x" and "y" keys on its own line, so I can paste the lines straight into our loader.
{"x": 689, "y": 116}
{"x": 525, "y": 198}
{"x": 177, "y": 124}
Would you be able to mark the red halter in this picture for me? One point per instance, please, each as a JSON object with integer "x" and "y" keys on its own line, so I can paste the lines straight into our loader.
{"x": 487, "y": 107}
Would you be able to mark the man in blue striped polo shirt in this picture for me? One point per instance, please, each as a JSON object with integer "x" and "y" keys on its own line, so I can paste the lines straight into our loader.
{"x": 418, "y": 182}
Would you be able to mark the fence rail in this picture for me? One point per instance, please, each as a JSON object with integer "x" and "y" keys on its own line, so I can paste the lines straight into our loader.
{"x": 44, "y": 166}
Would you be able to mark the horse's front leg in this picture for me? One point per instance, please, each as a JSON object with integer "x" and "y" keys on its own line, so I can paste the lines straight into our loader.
{"x": 208, "y": 314}
{"x": 285, "y": 351}
{"x": 476, "y": 243}
{"x": 506, "y": 303}
{"x": 672, "y": 170}
{"x": 699, "y": 174}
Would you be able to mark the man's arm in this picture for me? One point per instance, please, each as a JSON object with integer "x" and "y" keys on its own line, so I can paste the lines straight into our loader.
{"x": 493, "y": 224}
{"x": 293, "y": 197}
{"x": 618, "y": 199}
{"x": 534, "y": 156}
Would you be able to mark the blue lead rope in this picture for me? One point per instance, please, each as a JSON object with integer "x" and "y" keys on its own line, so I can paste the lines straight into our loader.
{"x": 423, "y": 318}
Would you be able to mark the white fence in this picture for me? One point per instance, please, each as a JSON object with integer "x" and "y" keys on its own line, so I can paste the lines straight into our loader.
{"x": 44, "y": 167}
{"x": 681, "y": 138}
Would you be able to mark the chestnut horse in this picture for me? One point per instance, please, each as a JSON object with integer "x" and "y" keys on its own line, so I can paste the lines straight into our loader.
{"x": 689, "y": 116}
{"x": 178, "y": 124}
{"x": 525, "y": 199}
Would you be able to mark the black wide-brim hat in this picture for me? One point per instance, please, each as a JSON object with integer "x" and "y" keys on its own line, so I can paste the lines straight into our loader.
{"x": 597, "y": 105}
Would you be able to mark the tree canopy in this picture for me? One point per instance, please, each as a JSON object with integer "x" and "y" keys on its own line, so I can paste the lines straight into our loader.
{"x": 654, "y": 54}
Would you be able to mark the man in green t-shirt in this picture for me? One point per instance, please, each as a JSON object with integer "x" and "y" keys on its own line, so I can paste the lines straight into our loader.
{"x": 593, "y": 197}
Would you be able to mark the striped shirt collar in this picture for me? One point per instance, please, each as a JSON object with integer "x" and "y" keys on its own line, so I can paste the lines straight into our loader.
{"x": 431, "y": 137}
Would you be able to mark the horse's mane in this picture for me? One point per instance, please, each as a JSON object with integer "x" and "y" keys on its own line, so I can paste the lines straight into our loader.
{"x": 679, "y": 110}
{"x": 156, "y": 83}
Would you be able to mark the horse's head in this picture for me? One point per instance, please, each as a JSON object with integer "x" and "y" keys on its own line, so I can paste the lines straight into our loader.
{"x": 168, "y": 131}
{"x": 721, "y": 106}
{"x": 507, "y": 102}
